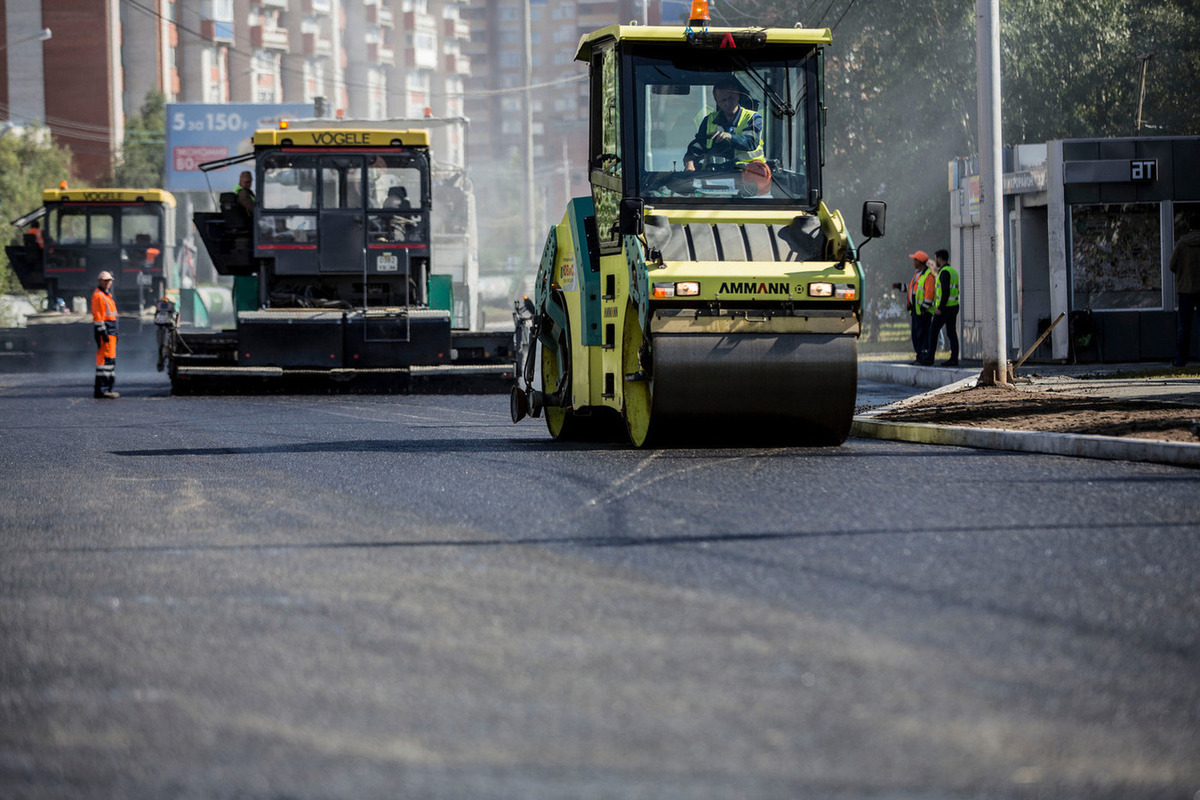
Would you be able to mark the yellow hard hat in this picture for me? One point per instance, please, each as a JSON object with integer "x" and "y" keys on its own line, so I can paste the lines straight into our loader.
{"x": 104, "y": 276}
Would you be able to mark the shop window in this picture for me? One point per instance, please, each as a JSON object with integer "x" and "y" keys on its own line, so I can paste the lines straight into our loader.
{"x": 1116, "y": 257}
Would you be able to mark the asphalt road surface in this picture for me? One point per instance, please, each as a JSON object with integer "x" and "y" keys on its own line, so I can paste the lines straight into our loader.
{"x": 410, "y": 597}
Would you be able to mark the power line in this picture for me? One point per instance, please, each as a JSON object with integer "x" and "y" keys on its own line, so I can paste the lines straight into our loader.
{"x": 514, "y": 89}
{"x": 825, "y": 13}
{"x": 345, "y": 83}
{"x": 849, "y": 6}
{"x": 729, "y": 4}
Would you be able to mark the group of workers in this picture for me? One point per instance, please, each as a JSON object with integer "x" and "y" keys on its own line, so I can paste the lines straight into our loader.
{"x": 933, "y": 302}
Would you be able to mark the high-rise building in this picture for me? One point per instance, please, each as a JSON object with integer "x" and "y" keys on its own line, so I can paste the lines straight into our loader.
{"x": 71, "y": 81}
{"x": 502, "y": 80}
{"x": 358, "y": 59}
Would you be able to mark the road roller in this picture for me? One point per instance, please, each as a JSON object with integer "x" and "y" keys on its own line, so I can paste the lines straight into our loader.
{"x": 703, "y": 291}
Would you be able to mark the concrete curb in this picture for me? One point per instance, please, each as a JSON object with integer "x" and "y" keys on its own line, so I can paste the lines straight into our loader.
{"x": 1059, "y": 444}
{"x": 943, "y": 379}
{"x": 911, "y": 374}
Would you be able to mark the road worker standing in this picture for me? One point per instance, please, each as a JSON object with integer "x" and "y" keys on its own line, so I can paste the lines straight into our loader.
{"x": 922, "y": 290}
{"x": 945, "y": 309}
{"x": 104, "y": 323}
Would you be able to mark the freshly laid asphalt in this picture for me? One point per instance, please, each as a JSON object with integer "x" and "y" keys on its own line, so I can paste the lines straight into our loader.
{"x": 1118, "y": 381}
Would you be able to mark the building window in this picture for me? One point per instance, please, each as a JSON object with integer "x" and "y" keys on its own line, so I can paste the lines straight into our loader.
{"x": 1116, "y": 257}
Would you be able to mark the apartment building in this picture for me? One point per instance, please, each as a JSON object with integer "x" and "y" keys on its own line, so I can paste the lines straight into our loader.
{"x": 70, "y": 79}
{"x": 500, "y": 81}
{"x": 367, "y": 59}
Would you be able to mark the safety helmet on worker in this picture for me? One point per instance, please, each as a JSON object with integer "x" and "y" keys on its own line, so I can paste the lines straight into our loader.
{"x": 104, "y": 276}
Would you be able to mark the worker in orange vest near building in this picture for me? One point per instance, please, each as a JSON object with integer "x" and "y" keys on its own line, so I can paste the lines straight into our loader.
{"x": 922, "y": 288}
{"x": 104, "y": 323}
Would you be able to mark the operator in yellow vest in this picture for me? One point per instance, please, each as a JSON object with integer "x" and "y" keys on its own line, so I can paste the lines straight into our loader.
{"x": 731, "y": 133}
{"x": 945, "y": 310}
{"x": 244, "y": 194}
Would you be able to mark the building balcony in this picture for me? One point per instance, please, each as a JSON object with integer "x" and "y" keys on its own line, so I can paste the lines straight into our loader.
{"x": 316, "y": 45}
{"x": 456, "y": 29}
{"x": 316, "y": 7}
{"x": 458, "y": 64}
{"x": 273, "y": 4}
{"x": 378, "y": 15}
{"x": 216, "y": 30}
{"x": 380, "y": 54}
{"x": 419, "y": 23}
{"x": 269, "y": 39}
{"x": 420, "y": 59}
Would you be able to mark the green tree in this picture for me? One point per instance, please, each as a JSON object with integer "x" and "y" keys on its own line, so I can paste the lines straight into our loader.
{"x": 30, "y": 161}
{"x": 901, "y": 93}
{"x": 141, "y": 163}
{"x": 1168, "y": 32}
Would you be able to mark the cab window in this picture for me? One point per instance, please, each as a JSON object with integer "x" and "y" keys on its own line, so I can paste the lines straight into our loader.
{"x": 103, "y": 228}
{"x": 139, "y": 226}
{"x": 288, "y": 181}
{"x": 394, "y": 182}
{"x": 342, "y": 182}
{"x": 70, "y": 226}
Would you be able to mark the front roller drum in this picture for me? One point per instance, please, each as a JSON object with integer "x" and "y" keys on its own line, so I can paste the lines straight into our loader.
{"x": 796, "y": 388}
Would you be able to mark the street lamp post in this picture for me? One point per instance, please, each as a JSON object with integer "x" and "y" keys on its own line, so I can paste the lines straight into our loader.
{"x": 994, "y": 340}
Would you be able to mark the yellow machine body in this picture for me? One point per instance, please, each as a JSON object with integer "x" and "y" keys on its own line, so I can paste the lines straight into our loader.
{"x": 699, "y": 297}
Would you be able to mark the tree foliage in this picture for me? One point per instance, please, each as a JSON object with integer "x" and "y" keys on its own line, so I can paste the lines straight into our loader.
{"x": 141, "y": 162}
{"x": 901, "y": 92}
{"x": 29, "y": 162}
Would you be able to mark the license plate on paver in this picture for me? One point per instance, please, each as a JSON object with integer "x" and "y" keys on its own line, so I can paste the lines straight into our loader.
{"x": 387, "y": 262}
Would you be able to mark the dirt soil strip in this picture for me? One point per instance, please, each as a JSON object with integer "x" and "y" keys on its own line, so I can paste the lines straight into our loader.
{"x": 1022, "y": 409}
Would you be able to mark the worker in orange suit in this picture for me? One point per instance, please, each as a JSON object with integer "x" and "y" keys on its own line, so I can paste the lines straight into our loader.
{"x": 104, "y": 323}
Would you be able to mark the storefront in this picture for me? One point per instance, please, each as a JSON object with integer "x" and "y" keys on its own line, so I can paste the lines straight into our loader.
{"x": 1090, "y": 225}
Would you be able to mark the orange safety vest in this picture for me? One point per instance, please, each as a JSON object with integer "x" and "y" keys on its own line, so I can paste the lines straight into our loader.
{"x": 913, "y": 284}
{"x": 104, "y": 312}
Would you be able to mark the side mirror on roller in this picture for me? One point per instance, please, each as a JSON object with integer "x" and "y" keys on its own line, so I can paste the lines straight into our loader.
{"x": 874, "y": 219}
{"x": 632, "y": 216}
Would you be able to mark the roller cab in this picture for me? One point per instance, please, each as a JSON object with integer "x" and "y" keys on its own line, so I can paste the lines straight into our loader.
{"x": 700, "y": 292}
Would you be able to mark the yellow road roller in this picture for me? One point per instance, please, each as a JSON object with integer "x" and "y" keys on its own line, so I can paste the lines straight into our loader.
{"x": 703, "y": 291}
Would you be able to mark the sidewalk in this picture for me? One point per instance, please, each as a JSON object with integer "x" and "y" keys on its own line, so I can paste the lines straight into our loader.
{"x": 1118, "y": 381}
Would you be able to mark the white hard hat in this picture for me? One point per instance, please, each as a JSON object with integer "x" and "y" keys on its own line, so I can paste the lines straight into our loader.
{"x": 104, "y": 276}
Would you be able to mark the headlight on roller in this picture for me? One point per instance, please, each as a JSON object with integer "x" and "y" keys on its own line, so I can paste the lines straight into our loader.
{"x": 841, "y": 291}
{"x": 680, "y": 289}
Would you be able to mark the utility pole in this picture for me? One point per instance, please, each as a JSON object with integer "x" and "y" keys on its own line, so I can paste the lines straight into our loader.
{"x": 532, "y": 255}
{"x": 987, "y": 54}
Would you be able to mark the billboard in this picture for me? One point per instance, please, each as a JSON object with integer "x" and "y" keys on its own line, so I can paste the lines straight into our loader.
{"x": 200, "y": 132}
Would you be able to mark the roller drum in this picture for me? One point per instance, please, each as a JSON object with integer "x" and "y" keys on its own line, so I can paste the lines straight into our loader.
{"x": 780, "y": 387}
